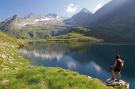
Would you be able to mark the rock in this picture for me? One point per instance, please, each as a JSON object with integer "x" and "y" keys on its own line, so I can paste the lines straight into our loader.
{"x": 13, "y": 46}
{"x": 4, "y": 82}
{"x": 120, "y": 83}
{"x": 4, "y": 69}
{"x": 15, "y": 68}
{"x": 3, "y": 56}
{"x": 89, "y": 77}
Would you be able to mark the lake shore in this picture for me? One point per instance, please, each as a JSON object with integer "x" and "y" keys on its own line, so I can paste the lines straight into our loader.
{"x": 16, "y": 72}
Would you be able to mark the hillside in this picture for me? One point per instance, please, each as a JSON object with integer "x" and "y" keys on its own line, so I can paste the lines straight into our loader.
{"x": 116, "y": 12}
{"x": 33, "y": 26}
{"x": 114, "y": 22}
{"x": 44, "y": 27}
{"x": 18, "y": 22}
{"x": 17, "y": 73}
{"x": 111, "y": 33}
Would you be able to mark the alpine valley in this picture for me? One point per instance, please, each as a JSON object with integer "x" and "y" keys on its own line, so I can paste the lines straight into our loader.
{"x": 49, "y": 51}
{"x": 114, "y": 22}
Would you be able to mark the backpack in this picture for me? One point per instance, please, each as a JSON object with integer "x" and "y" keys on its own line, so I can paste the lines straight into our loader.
{"x": 120, "y": 63}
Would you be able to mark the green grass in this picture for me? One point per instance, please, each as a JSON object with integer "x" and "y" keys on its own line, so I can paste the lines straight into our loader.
{"x": 72, "y": 37}
{"x": 9, "y": 56}
{"x": 47, "y": 78}
{"x": 43, "y": 33}
{"x": 7, "y": 39}
{"x": 34, "y": 32}
{"x": 17, "y": 73}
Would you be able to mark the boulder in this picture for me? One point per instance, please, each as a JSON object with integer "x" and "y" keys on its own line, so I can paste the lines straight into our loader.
{"x": 115, "y": 82}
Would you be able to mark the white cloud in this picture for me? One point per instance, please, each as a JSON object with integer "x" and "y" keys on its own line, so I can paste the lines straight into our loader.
{"x": 71, "y": 65}
{"x": 71, "y": 8}
{"x": 98, "y": 7}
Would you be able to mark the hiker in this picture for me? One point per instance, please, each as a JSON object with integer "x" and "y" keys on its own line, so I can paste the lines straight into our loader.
{"x": 118, "y": 65}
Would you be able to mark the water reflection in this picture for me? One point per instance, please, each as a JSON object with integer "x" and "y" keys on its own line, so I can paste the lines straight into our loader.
{"x": 61, "y": 55}
{"x": 42, "y": 54}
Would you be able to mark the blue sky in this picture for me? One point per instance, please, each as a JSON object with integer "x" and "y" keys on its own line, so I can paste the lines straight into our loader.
{"x": 64, "y": 8}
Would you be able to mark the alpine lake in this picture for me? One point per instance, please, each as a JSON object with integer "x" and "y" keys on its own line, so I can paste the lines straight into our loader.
{"x": 92, "y": 59}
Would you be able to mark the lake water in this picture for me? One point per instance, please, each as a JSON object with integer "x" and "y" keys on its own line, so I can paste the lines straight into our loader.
{"x": 93, "y": 59}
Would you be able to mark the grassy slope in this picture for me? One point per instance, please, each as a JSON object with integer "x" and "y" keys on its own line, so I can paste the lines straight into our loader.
{"x": 17, "y": 73}
{"x": 72, "y": 37}
{"x": 114, "y": 33}
{"x": 74, "y": 34}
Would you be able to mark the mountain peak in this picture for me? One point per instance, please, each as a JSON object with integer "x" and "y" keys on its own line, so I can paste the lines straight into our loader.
{"x": 52, "y": 15}
{"x": 15, "y": 17}
{"x": 31, "y": 15}
{"x": 17, "y": 22}
{"x": 84, "y": 10}
{"x": 81, "y": 18}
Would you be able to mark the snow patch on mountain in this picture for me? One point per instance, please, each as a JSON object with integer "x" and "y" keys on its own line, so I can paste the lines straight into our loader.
{"x": 32, "y": 19}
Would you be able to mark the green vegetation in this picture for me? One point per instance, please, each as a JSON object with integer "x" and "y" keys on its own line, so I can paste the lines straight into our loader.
{"x": 72, "y": 37}
{"x": 10, "y": 40}
{"x": 17, "y": 73}
{"x": 47, "y": 78}
{"x": 9, "y": 56}
{"x": 35, "y": 32}
{"x": 54, "y": 33}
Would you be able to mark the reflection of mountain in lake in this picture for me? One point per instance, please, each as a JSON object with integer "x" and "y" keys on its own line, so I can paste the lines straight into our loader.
{"x": 56, "y": 59}
{"x": 61, "y": 55}
{"x": 42, "y": 54}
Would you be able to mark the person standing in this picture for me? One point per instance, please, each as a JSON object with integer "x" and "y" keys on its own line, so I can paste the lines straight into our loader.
{"x": 116, "y": 68}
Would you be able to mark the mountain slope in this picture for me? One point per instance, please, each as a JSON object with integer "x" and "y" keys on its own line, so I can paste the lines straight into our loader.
{"x": 33, "y": 26}
{"x": 116, "y": 12}
{"x": 42, "y": 27}
{"x": 115, "y": 22}
{"x": 80, "y": 19}
{"x": 16, "y": 22}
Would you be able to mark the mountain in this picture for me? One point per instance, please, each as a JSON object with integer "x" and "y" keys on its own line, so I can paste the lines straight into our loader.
{"x": 33, "y": 26}
{"x": 114, "y": 22}
{"x": 39, "y": 26}
{"x": 10, "y": 23}
{"x": 115, "y": 12}
{"x": 17, "y": 22}
{"x": 82, "y": 18}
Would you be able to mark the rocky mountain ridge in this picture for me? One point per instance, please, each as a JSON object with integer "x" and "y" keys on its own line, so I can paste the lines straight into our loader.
{"x": 17, "y": 22}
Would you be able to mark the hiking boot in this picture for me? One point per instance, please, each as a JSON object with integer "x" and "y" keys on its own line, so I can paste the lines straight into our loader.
{"x": 112, "y": 78}
{"x": 117, "y": 80}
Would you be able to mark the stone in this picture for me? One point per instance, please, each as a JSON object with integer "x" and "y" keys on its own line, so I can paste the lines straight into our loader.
{"x": 115, "y": 82}
{"x": 89, "y": 77}
{"x": 5, "y": 81}
{"x": 3, "y": 56}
